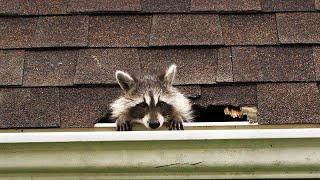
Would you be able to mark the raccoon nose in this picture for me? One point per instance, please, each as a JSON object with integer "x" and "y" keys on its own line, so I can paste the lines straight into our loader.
{"x": 154, "y": 124}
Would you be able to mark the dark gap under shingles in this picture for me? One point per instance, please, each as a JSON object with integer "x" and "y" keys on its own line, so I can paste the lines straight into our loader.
{"x": 211, "y": 113}
{"x": 106, "y": 118}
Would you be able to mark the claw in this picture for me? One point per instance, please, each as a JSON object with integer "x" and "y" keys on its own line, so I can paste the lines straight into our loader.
{"x": 181, "y": 126}
{"x": 124, "y": 126}
{"x": 170, "y": 125}
{"x": 175, "y": 125}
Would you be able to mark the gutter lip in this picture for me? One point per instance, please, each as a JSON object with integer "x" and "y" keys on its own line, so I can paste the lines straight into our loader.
{"x": 52, "y": 137}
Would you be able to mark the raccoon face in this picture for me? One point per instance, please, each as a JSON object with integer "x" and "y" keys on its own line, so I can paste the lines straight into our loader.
{"x": 150, "y": 100}
{"x": 151, "y": 112}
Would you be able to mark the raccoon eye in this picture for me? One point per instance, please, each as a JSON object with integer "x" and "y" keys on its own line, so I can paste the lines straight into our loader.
{"x": 143, "y": 105}
{"x": 164, "y": 108}
{"x": 161, "y": 104}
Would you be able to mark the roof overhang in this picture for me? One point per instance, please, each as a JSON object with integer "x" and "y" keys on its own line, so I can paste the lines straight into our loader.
{"x": 237, "y": 153}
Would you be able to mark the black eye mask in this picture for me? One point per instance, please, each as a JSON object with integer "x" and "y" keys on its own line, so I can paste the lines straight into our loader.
{"x": 139, "y": 110}
{"x": 164, "y": 108}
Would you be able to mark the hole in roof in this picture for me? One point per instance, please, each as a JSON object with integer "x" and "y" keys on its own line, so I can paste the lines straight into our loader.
{"x": 216, "y": 113}
{"x": 213, "y": 113}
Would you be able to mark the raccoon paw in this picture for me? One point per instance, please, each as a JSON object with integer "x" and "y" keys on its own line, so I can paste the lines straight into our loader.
{"x": 175, "y": 125}
{"x": 124, "y": 126}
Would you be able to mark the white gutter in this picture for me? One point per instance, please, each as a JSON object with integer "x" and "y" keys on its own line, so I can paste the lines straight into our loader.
{"x": 190, "y": 154}
{"x": 159, "y": 135}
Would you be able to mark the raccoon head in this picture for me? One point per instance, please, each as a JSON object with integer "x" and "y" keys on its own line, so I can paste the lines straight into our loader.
{"x": 150, "y": 99}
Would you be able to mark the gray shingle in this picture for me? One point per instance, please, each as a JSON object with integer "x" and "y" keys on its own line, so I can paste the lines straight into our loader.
{"x": 11, "y": 67}
{"x": 29, "y": 107}
{"x": 194, "y": 65}
{"x": 299, "y": 27}
{"x": 50, "y": 67}
{"x": 288, "y": 103}
{"x": 103, "y": 5}
{"x": 61, "y": 31}
{"x": 82, "y": 107}
{"x": 165, "y": 6}
{"x": 225, "y": 5}
{"x": 98, "y": 66}
{"x": 249, "y": 29}
{"x": 185, "y": 29}
{"x": 16, "y": 32}
{"x": 287, "y": 5}
{"x": 273, "y": 63}
{"x": 119, "y": 31}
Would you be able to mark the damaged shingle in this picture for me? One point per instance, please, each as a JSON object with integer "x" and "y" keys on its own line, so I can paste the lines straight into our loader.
{"x": 190, "y": 91}
{"x": 234, "y": 95}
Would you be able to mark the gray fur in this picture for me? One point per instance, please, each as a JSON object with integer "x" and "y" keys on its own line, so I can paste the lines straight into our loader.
{"x": 150, "y": 89}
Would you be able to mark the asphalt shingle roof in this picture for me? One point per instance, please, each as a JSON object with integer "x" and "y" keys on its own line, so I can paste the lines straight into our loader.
{"x": 58, "y": 58}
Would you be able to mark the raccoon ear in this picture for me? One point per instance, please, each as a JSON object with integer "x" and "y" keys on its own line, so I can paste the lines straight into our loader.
{"x": 124, "y": 80}
{"x": 170, "y": 74}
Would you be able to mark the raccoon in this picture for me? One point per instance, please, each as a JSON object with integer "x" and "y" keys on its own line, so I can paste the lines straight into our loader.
{"x": 150, "y": 100}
